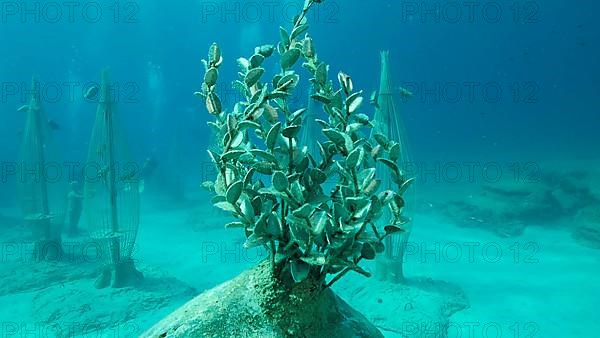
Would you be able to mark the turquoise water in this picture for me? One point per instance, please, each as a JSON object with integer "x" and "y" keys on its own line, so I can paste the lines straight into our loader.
{"x": 501, "y": 129}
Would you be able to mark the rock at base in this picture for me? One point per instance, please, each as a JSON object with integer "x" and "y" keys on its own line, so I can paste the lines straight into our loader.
{"x": 253, "y": 304}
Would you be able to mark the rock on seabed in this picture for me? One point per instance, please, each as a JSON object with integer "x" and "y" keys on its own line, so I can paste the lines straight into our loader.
{"x": 254, "y": 305}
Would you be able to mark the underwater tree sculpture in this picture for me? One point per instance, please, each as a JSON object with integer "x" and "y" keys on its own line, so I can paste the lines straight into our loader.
{"x": 387, "y": 121}
{"x": 275, "y": 190}
{"x": 43, "y": 198}
{"x": 111, "y": 199}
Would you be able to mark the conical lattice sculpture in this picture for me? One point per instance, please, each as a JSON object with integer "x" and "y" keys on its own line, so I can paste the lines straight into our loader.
{"x": 111, "y": 198}
{"x": 42, "y": 188}
{"x": 388, "y": 121}
{"x": 311, "y": 131}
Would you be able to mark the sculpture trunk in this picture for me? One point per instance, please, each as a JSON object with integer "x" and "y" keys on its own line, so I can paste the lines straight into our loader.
{"x": 112, "y": 188}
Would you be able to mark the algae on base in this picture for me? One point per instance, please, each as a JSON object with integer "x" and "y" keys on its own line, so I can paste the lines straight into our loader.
{"x": 253, "y": 304}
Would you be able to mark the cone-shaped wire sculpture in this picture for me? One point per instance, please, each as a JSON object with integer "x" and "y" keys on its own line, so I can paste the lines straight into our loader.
{"x": 111, "y": 196}
{"x": 311, "y": 131}
{"x": 43, "y": 194}
{"x": 387, "y": 120}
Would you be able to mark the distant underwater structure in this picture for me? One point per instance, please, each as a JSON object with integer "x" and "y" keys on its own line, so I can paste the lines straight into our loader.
{"x": 111, "y": 200}
{"x": 43, "y": 198}
{"x": 388, "y": 121}
{"x": 311, "y": 131}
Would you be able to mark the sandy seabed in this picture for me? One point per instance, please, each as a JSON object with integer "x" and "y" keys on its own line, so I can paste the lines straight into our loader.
{"x": 540, "y": 283}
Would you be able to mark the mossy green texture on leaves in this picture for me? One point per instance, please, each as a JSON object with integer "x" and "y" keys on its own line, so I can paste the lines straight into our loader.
{"x": 315, "y": 213}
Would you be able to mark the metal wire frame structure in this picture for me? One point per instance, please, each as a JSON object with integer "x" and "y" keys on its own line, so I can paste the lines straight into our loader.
{"x": 111, "y": 194}
{"x": 42, "y": 189}
{"x": 311, "y": 131}
{"x": 388, "y": 121}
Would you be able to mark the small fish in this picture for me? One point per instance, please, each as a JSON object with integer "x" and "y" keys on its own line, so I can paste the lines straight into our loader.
{"x": 115, "y": 234}
{"x": 375, "y": 99}
{"x": 23, "y": 108}
{"x": 103, "y": 173}
{"x": 53, "y": 125}
{"x": 405, "y": 92}
{"x": 129, "y": 176}
{"x": 91, "y": 93}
